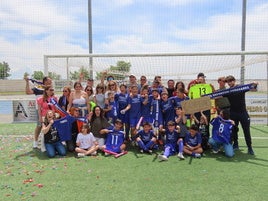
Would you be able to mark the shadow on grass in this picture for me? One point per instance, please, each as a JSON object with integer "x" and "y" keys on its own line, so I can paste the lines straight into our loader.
{"x": 241, "y": 156}
{"x": 40, "y": 155}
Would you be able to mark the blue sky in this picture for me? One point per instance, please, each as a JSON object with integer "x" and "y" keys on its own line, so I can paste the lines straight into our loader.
{"x": 33, "y": 28}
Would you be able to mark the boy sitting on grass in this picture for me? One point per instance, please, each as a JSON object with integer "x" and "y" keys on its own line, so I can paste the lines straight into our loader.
{"x": 173, "y": 142}
{"x": 193, "y": 141}
{"x": 115, "y": 138}
{"x": 146, "y": 138}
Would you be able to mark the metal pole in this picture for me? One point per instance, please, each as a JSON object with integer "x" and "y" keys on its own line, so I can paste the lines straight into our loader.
{"x": 243, "y": 41}
{"x": 90, "y": 39}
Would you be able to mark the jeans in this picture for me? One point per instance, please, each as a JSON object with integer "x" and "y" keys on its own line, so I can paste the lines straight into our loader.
{"x": 55, "y": 147}
{"x": 228, "y": 148}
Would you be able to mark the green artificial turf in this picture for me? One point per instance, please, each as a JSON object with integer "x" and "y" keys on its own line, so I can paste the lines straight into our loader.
{"x": 27, "y": 174}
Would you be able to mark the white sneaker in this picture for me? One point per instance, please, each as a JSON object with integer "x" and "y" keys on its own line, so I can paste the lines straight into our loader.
{"x": 197, "y": 155}
{"x": 80, "y": 155}
{"x": 35, "y": 144}
{"x": 180, "y": 155}
{"x": 94, "y": 153}
{"x": 162, "y": 158}
{"x": 214, "y": 151}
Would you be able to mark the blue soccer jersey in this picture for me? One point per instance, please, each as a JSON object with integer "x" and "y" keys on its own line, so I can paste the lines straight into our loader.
{"x": 146, "y": 111}
{"x": 177, "y": 100}
{"x": 193, "y": 140}
{"x": 156, "y": 113}
{"x": 145, "y": 137}
{"x": 122, "y": 101}
{"x": 135, "y": 110}
{"x": 222, "y": 130}
{"x": 114, "y": 140}
{"x": 168, "y": 111}
{"x": 64, "y": 127}
{"x": 111, "y": 115}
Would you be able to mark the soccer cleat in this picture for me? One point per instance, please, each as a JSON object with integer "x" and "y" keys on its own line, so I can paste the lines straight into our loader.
{"x": 250, "y": 151}
{"x": 94, "y": 153}
{"x": 141, "y": 151}
{"x": 180, "y": 155}
{"x": 162, "y": 158}
{"x": 80, "y": 155}
{"x": 197, "y": 155}
{"x": 150, "y": 151}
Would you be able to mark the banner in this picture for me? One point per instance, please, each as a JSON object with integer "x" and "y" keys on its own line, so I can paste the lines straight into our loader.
{"x": 24, "y": 111}
{"x": 238, "y": 88}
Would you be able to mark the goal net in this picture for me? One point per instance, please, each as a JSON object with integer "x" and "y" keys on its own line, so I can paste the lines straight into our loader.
{"x": 177, "y": 66}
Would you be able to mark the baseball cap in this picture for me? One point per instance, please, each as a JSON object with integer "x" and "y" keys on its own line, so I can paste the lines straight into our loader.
{"x": 201, "y": 75}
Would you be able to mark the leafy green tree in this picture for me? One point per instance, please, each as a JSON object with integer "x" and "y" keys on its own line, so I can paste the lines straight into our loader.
{"x": 54, "y": 76}
{"x": 119, "y": 71}
{"x": 82, "y": 73}
{"x": 38, "y": 75}
{"x": 4, "y": 70}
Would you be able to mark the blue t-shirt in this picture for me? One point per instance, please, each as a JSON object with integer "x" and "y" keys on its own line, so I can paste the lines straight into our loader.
{"x": 193, "y": 140}
{"x": 222, "y": 130}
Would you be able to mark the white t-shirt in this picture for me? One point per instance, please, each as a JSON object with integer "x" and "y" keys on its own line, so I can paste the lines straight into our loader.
{"x": 86, "y": 141}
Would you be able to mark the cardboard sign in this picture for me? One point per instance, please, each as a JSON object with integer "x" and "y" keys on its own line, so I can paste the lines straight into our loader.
{"x": 196, "y": 105}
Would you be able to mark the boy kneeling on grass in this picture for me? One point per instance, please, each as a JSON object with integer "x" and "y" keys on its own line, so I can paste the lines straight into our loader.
{"x": 221, "y": 133}
{"x": 86, "y": 143}
{"x": 193, "y": 141}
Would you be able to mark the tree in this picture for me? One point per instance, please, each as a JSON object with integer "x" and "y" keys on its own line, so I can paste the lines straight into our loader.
{"x": 119, "y": 71}
{"x": 4, "y": 70}
{"x": 81, "y": 73}
{"x": 38, "y": 75}
{"x": 54, "y": 76}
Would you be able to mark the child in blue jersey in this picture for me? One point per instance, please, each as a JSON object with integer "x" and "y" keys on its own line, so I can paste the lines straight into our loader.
{"x": 173, "y": 142}
{"x": 193, "y": 141}
{"x": 146, "y": 106}
{"x": 115, "y": 137}
{"x": 146, "y": 138}
{"x": 111, "y": 108}
{"x": 134, "y": 109}
{"x": 221, "y": 133}
{"x": 180, "y": 96}
{"x": 167, "y": 108}
{"x": 86, "y": 143}
{"x": 122, "y": 99}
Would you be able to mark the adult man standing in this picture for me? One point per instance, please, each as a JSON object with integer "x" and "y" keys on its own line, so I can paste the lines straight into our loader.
{"x": 238, "y": 113}
{"x": 37, "y": 92}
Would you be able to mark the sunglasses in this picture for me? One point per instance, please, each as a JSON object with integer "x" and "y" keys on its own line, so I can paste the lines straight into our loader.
{"x": 51, "y": 89}
{"x": 111, "y": 85}
{"x": 89, "y": 89}
{"x": 64, "y": 91}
